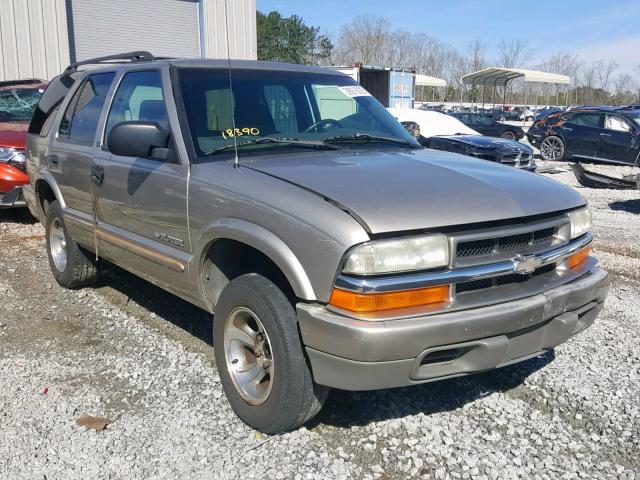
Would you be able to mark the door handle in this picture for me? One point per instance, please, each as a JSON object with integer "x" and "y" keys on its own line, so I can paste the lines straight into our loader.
{"x": 605, "y": 134}
{"x": 53, "y": 159}
{"x": 97, "y": 175}
{"x": 568, "y": 129}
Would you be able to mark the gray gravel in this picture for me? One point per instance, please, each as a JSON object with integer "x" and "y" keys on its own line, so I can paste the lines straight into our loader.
{"x": 130, "y": 352}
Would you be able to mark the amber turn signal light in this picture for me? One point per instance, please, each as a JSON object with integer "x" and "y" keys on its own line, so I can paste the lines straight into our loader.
{"x": 376, "y": 302}
{"x": 578, "y": 258}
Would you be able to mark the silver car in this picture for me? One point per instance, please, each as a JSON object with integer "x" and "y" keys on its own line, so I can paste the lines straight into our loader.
{"x": 331, "y": 249}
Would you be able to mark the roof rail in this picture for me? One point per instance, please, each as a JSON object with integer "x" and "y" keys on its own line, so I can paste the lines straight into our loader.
{"x": 127, "y": 57}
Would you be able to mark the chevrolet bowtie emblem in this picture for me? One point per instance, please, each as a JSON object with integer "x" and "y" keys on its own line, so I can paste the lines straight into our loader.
{"x": 526, "y": 264}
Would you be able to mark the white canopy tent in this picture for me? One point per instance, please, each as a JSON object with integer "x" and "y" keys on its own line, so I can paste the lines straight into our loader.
{"x": 501, "y": 77}
{"x": 427, "y": 81}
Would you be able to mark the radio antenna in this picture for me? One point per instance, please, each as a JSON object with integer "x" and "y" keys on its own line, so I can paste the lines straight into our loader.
{"x": 233, "y": 99}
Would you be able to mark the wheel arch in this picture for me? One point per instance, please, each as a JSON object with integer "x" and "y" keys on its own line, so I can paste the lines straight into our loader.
{"x": 251, "y": 240}
{"x": 45, "y": 188}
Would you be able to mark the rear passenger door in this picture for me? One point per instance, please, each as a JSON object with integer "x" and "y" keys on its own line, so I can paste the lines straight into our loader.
{"x": 70, "y": 154}
{"x": 581, "y": 133}
{"x": 618, "y": 140}
{"x": 143, "y": 201}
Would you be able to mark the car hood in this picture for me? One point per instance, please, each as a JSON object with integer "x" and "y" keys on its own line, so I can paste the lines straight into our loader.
{"x": 490, "y": 143}
{"x": 13, "y": 134}
{"x": 400, "y": 190}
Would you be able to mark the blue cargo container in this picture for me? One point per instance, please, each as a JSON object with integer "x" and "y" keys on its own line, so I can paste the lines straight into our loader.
{"x": 392, "y": 87}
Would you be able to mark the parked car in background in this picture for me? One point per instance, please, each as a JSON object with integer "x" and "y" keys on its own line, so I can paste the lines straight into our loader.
{"x": 17, "y": 102}
{"x": 445, "y": 132}
{"x": 606, "y": 134}
{"x": 487, "y": 125}
{"x": 524, "y": 113}
{"x": 501, "y": 115}
{"x": 330, "y": 248}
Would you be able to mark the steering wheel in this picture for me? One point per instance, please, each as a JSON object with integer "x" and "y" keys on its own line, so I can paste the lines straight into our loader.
{"x": 324, "y": 123}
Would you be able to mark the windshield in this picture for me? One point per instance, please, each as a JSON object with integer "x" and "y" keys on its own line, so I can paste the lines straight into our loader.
{"x": 17, "y": 104}
{"x": 296, "y": 107}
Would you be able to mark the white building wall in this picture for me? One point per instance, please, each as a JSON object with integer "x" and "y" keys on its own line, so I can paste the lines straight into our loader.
{"x": 241, "y": 19}
{"x": 33, "y": 39}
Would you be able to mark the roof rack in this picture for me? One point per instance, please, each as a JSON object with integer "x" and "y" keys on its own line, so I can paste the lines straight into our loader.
{"x": 127, "y": 57}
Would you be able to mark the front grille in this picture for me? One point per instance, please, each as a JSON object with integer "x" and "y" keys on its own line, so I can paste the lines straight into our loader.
{"x": 474, "y": 285}
{"x": 519, "y": 243}
{"x": 512, "y": 159}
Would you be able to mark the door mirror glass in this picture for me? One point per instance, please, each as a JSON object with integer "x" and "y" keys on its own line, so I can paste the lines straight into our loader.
{"x": 139, "y": 139}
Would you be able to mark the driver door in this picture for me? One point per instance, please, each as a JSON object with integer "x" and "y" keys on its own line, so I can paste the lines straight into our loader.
{"x": 142, "y": 202}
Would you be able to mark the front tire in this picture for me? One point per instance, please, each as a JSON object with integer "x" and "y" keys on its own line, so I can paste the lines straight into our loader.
{"x": 71, "y": 266}
{"x": 552, "y": 148}
{"x": 260, "y": 357}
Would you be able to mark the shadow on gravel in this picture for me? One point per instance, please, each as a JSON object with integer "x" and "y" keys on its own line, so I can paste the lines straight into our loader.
{"x": 17, "y": 215}
{"x": 346, "y": 409}
{"x": 165, "y": 305}
{"x": 631, "y": 206}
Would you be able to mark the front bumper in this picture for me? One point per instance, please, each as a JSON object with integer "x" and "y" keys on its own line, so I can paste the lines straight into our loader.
{"x": 354, "y": 354}
{"x": 12, "y": 199}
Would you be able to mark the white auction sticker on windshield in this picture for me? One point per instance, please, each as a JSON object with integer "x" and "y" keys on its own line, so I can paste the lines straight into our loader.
{"x": 354, "y": 91}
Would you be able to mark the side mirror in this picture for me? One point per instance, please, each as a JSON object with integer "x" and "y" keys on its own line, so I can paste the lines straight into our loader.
{"x": 412, "y": 127}
{"x": 139, "y": 139}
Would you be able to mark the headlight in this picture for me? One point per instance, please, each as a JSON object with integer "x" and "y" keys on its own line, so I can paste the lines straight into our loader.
{"x": 580, "y": 222}
{"x": 13, "y": 156}
{"x": 401, "y": 255}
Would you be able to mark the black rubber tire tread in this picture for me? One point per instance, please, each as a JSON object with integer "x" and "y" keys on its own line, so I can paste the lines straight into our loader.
{"x": 81, "y": 269}
{"x": 294, "y": 398}
{"x": 509, "y": 135}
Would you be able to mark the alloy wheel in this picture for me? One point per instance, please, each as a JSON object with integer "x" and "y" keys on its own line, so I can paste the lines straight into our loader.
{"x": 551, "y": 148}
{"x": 58, "y": 245}
{"x": 248, "y": 355}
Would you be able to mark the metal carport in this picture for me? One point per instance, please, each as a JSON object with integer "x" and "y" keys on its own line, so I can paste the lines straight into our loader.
{"x": 501, "y": 77}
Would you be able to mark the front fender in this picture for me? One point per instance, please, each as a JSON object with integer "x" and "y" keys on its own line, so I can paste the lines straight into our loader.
{"x": 266, "y": 242}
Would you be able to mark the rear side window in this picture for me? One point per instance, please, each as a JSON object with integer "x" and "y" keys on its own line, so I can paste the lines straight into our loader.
{"x": 80, "y": 121}
{"x": 49, "y": 103}
{"x": 139, "y": 98}
{"x": 619, "y": 124}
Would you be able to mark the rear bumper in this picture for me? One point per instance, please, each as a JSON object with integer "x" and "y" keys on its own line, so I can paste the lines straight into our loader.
{"x": 365, "y": 355}
{"x": 12, "y": 199}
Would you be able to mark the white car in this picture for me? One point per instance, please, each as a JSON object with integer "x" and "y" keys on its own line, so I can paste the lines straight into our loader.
{"x": 443, "y": 132}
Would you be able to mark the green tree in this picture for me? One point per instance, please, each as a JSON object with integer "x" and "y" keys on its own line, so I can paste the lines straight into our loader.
{"x": 289, "y": 39}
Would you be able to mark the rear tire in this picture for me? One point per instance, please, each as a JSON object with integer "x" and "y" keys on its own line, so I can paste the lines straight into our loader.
{"x": 552, "y": 148}
{"x": 508, "y": 135}
{"x": 528, "y": 119}
{"x": 72, "y": 267}
{"x": 260, "y": 358}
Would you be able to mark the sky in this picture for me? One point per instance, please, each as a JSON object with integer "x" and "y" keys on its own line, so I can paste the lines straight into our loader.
{"x": 593, "y": 29}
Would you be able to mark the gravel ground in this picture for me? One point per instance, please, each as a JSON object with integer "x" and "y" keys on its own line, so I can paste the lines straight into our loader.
{"x": 142, "y": 358}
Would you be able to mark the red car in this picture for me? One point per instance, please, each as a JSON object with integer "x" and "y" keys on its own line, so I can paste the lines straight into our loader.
{"x": 18, "y": 99}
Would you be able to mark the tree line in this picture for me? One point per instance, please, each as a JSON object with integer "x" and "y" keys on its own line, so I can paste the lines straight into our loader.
{"x": 374, "y": 40}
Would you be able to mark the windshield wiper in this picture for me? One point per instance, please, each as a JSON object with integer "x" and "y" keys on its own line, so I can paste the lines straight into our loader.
{"x": 284, "y": 141}
{"x": 370, "y": 138}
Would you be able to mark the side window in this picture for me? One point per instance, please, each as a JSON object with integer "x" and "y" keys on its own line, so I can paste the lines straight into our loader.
{"x": 282, "y": 108}
{"x": 49, "y": 104}
{"x": 139, "y": 97}
{"x": 587, "y": 119}
{"x": 484, "y": 120}
{"x": 80, "y": 121}
{"x": 614, "y": 122}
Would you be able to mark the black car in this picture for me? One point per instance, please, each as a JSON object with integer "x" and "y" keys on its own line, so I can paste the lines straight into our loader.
{"x": 607, "y": 134}
{"x": 486, "y": 124}
{"x": 498, "y": 150}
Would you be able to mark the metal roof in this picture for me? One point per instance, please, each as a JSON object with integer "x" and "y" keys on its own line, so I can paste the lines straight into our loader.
{"x": 428, "y": 81}
{"x": 502, "y": 76}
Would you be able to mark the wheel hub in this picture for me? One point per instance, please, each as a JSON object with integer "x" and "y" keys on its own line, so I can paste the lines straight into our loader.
{"x": 58, "y": 245}
{"x": 248, "y": 355}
